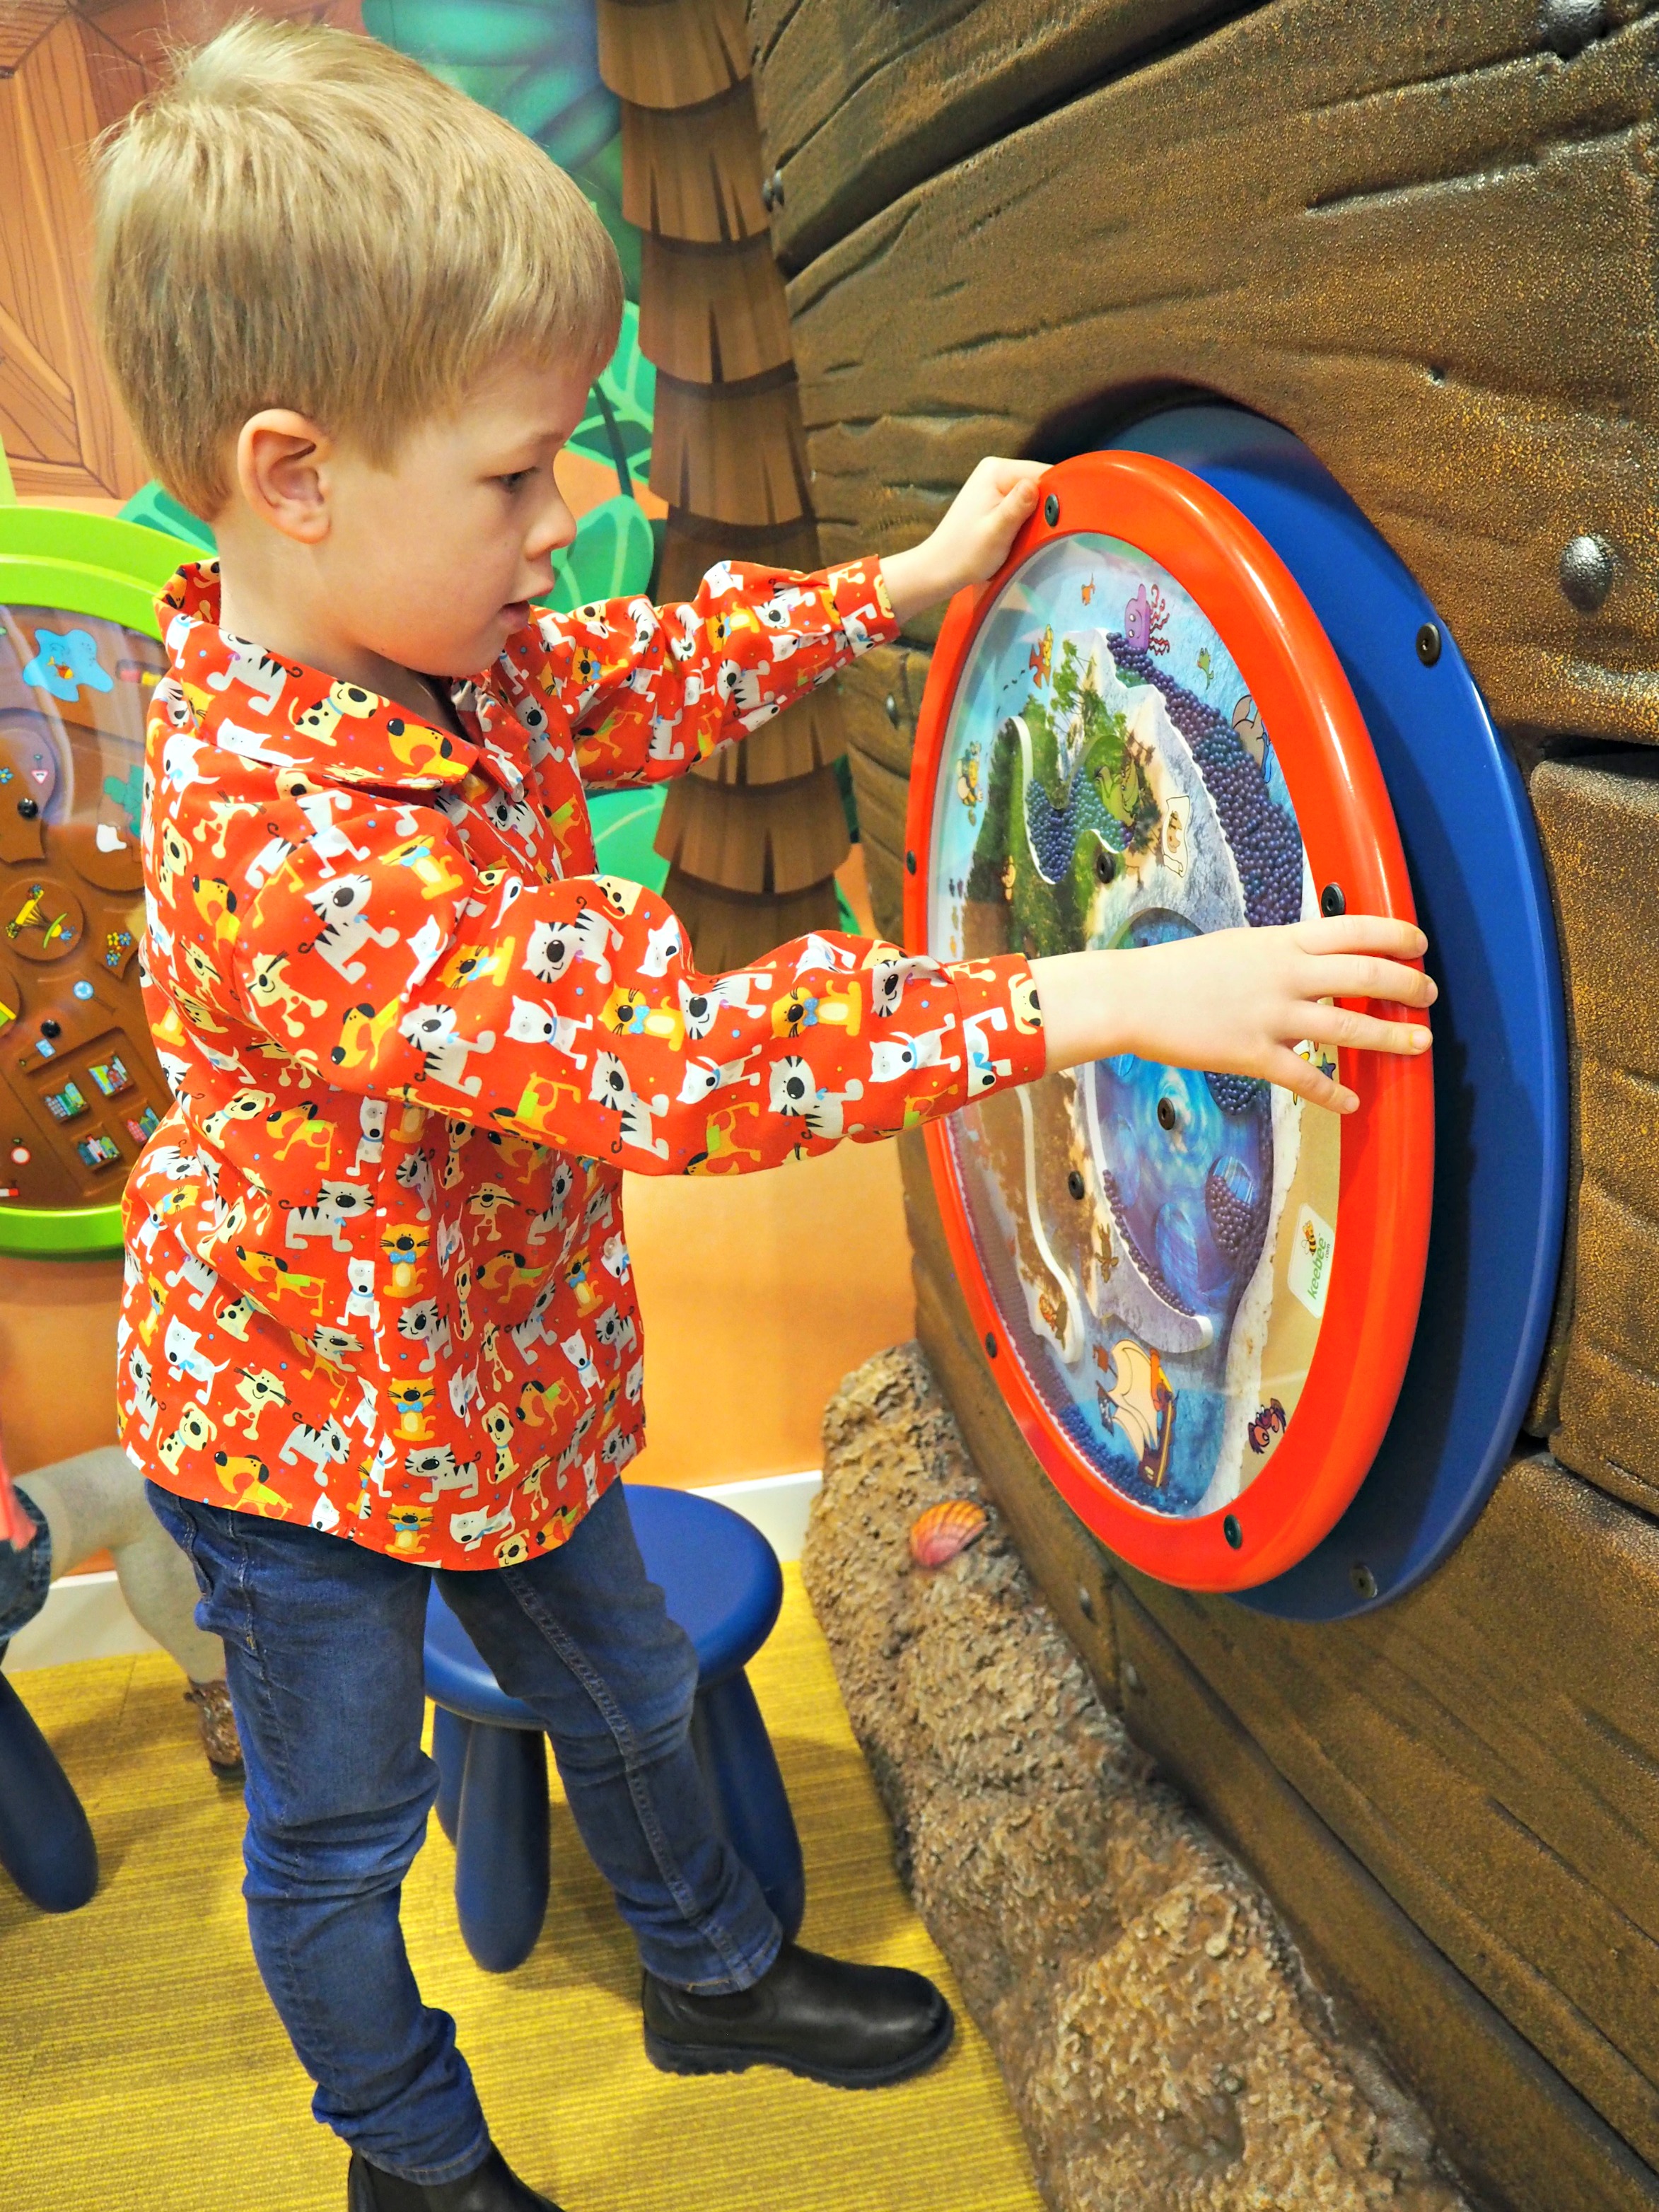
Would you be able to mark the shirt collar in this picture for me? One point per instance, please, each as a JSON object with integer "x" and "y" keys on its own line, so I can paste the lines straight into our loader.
{"x": 247, "y": 701}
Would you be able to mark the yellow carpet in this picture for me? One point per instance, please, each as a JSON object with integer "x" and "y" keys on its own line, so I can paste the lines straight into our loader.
{"x": 142, "y": 2069}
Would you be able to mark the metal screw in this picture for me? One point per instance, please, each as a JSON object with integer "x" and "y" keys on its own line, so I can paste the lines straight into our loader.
{"x": 1075, "y": 1184}
{"x": 1231, "y": 1531}
{"x": 910, "y": 863}
{"x": 1587, "y": 572}
{"x": 990, "y": 1344}
{"x": 1331, "y": 901}
{"x": 1569, "y": 26}
{"x": 1051, "y": 509}
{"x": 1131, "y": 1675}
{"x": 892, "y": 705}
{"x": 1086, "y": 1601}
{"x": 28, "y": 808}
{"x": 1166, "y": 1113}
{"x": 772, "y": 191}
{"x": 1428, "y": 644}
{"x": 1105, "y": 864}
{"x": 51, "y": 1029}
{"x": 1363, "y": 1579}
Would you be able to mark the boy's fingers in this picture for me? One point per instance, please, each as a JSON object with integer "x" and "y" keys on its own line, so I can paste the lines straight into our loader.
{"x": 1362, "y": 933}
{"x": 1292, "y": 1073}
{"x": 1345, "y": 1025}
{"x": 1363, "y": 975}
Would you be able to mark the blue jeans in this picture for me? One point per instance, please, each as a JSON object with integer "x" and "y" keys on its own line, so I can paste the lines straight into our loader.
{"x": 324, "y": 1642}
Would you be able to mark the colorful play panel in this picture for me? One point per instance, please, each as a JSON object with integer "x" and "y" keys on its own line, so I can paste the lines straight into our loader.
{"x": 1198, "y": 1296}
{"x": 81, "y": 1088}
{"x": 1500, "y": 1056}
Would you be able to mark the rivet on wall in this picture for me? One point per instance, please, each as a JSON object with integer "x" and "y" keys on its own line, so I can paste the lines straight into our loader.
{"x": 1568, "y": 26}
{"x": 1587, "y": 572}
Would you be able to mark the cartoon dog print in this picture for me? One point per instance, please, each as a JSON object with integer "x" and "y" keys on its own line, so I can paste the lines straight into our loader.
{"x": 432, "y": 1031}
{"x": 201, "y": 1278}
{"x": 181, "y": 1347}
{"x": 576, "y": 1350}
{"x": 498, "y": 1427}
{"x": 272, "y": 993}
{"x": 195, "y": 1432}
{"x": 232, "y": 1318}
{"x": 470, "y": 1529}
{"x": 258, "y": 1389}
{"x": 341, "y": 909}
{"x": 663, "y": 946}
{"x": 614, "y": 1258}
{"x": 464, "y": 1390}
{"x": 1028, "y": 1011}
{"x": 241, "y": 1106}
{"x": 305, "y": 1124}
{"x": 817, "y": 952}
{"x": 361, "y": 1304}
{"x": 983, "y": 1071}
{"x": 215, "y": 902}
{"x": 901, "y": 1053}
{"x": 371, "y": 1139}
{"x": 363, "y": 1030}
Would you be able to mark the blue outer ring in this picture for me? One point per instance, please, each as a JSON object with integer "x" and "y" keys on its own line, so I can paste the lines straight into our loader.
{"x": 1500, "y": 1054}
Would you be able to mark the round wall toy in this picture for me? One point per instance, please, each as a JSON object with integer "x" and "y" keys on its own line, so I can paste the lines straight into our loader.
{"x": 1201, "y": 1298}
{"x": 1199, "y": 1294}
{"x": 81, "y": 1088}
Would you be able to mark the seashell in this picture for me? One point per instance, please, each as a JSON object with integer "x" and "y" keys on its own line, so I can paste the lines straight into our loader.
{"x": 938, "y": 1534}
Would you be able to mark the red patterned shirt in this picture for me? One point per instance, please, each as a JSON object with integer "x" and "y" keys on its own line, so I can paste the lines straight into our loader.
{"x": 376, "y": 1274}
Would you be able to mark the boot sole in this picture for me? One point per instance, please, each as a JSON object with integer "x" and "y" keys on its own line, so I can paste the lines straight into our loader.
{"x": 737, "y": 2058}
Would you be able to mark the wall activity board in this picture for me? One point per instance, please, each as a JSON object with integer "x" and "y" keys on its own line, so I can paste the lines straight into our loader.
{"x": 81, "y": 1088}
{"x": 1199, "y": 1296}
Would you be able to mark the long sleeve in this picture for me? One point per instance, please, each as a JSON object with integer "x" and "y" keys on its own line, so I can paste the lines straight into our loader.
{"x": 652, "y": 690}
{"x": 570, "y": 1012}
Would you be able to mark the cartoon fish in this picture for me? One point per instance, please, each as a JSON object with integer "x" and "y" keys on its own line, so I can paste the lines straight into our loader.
{"x": 1206, "y": 666}
{"x": 1043, "y": 657}
{"x": 968, "y": 780}
{"x": 1139, "y": 1403}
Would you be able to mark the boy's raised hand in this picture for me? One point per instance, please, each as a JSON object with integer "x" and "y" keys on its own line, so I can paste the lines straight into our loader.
{"x": 1238, "y": 1001}
{"x": 971, "y": 542}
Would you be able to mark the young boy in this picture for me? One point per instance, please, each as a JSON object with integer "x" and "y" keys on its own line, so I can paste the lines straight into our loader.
{"x": 379, "y": 1322}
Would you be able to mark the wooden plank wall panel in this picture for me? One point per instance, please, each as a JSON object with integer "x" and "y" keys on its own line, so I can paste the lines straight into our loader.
{"x": 861, "y": 100}
{"x": 1599, "y": 821}
{"x": 1518, "y": 2136}
{"x": 1445, "y": 285}
{"x": 1487, "y": 1748}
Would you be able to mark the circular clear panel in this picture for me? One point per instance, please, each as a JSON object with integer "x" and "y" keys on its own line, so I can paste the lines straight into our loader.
{"x": 1158, "y": 1242}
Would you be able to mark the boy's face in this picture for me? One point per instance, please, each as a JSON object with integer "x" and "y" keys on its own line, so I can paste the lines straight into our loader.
{"x": 436, "y": 558}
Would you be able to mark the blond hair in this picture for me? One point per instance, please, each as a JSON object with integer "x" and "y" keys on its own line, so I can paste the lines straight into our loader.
{"x": 303, "y": 218}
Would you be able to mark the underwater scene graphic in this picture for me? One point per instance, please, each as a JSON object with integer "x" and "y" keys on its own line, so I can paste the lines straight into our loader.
{"x": 1158, "y": 1240}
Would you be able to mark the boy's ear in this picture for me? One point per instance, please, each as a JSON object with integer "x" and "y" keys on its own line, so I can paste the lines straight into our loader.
{"x": 281, "y": 471}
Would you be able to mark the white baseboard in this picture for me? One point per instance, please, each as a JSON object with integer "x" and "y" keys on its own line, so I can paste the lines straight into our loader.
{"x": 86, "y": 1617}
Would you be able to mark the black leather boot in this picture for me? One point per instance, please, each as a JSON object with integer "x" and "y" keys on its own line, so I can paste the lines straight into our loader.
{"x": 855, "y": 2027}
{"x": 491, "y": 2187}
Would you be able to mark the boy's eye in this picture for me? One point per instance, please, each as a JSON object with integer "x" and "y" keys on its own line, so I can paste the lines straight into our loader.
{"x": 514, "y": 479}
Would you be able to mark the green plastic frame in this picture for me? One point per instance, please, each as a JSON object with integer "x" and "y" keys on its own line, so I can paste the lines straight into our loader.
{"x": 82, "y": 564}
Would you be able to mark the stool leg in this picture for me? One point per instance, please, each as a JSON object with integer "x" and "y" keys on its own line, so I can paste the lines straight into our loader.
{"x": 45, "y": 1838}
{"x": 741, "y": 1769}
{"x": 501, "y": 1845}
{"x": 449, "y": 1739}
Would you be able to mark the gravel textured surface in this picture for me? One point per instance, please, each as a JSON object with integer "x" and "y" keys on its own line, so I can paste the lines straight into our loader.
{"x": 1161, "y": 2041}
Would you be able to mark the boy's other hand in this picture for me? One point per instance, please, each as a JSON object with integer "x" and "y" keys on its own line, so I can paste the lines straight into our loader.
{"x": 1238, "y": 1001}
{"x": 971, "y": 542}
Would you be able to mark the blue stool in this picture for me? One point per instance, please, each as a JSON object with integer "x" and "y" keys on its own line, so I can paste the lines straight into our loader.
{"x": 724, "y": 1587}
{"x": 46, "y": 1840}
